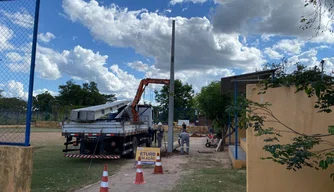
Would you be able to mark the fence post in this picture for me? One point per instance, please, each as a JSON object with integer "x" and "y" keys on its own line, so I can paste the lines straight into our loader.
{"x": 32, "y": 74}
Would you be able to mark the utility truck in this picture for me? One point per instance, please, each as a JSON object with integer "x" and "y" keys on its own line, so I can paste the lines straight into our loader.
{"x": 112, "y": 130}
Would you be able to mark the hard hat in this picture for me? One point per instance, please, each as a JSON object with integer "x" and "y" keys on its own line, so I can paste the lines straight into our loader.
{"x": 159, "y": 123}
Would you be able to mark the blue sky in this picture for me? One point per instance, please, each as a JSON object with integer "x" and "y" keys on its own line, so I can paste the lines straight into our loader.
{"x": 117, "y": 43}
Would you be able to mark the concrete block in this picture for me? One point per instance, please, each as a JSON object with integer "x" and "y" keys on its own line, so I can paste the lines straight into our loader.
{"x": 16, "y": 165}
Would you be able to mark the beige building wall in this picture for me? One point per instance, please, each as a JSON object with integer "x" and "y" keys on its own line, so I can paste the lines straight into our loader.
{"x": 296, "y": 111}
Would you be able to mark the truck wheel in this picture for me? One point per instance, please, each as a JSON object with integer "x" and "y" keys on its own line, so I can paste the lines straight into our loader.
{"x": 134, "y": 147}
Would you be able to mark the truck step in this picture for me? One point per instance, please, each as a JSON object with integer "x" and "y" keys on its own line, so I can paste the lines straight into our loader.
{"x": 143, "y": 138}
{"x": 127, "y": 151}
{"x": 128, "y": 143}
{"x": 71, "y": 142}
{"x": 86, "y": 156}
{"x": 66, "y": 150}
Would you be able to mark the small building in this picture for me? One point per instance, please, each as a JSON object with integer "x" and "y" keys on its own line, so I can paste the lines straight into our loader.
{"x": 295, "y": 110}
{"x": 237, "y": 85}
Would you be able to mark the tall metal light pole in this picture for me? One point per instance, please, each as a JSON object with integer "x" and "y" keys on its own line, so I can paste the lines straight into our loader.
{"x": 171, "y": 95}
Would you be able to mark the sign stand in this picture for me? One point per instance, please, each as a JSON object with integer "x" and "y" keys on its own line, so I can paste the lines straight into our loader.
{"x": 148, "y": 155}
{"x": 220, "y": 142}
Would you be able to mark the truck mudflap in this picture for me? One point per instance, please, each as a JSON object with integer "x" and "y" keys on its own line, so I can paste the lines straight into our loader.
{"x": 92, "y": 156}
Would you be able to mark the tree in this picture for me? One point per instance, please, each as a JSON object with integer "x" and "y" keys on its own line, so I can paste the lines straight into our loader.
{"x": 321, "y": 8}
{"x": 183, "y": 101}
{"x": 301, "y": 152}
{"x": 213, "y": 105}
{"x": 12, "y": 104}
{"x": 72, "y": 94}
{"x": 44, "y": 102}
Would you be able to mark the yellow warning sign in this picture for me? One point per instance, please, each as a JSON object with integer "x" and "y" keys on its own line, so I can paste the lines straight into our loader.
{"x": 147, "y": 154}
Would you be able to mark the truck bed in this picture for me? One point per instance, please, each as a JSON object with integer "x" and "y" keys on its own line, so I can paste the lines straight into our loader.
{"x": 115, "y": 128}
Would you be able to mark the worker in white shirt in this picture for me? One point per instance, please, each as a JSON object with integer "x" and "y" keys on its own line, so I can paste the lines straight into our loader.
{"x": 160, "y": 134}
{"x": 184, "y": 139}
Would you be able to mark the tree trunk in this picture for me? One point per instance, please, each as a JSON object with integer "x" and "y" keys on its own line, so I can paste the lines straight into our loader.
{"x": 222, "y": 146}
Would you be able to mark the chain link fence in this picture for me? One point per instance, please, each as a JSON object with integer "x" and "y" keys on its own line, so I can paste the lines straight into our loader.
{"x": 17, "y": 19}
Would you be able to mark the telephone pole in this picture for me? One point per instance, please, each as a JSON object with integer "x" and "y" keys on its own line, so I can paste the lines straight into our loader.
{"x": 171, "y": 95}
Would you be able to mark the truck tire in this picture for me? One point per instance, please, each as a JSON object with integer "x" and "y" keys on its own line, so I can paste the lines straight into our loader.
{"x": 134, "y": 147}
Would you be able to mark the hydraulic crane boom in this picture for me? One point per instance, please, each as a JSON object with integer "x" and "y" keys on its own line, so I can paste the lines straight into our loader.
{"x": 140, "y": 90}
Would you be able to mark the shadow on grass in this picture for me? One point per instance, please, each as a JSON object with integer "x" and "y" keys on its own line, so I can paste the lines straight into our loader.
{"x": 214, "y": 179}
{"x": 203, "y": 174}
{"x": 54, "y": 172}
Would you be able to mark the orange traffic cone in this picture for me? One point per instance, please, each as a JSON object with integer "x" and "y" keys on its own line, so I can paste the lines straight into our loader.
{"x": 104, "y": 187}
{"x": 139, "y": 173}
{"x": 158, "y": 166}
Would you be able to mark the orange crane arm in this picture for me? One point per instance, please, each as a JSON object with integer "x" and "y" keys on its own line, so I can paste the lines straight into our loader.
{"x": 140, "y": 91}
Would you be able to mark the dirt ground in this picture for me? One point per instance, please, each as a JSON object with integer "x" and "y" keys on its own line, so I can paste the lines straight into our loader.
{"x": 46, "y": 138}
{"x": 172, "y": 166}
{"x": 17, "y": 134}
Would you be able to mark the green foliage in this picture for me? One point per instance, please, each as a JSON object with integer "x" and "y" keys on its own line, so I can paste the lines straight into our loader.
{"x": 294, "y": 155}
{"x": 301, "y": 152}
{"x": 311, "y": 81}
{"x": 12, "y": 104}
{"x": 212, "y": 104}
{"x": 313, "y": 20}
{"x": 331, "y": 129}
{"x": 87, "y": 95}
{"x": 183, "y": 101}
{"x": 44, "y": 102}
{"x": 47, "y": 107}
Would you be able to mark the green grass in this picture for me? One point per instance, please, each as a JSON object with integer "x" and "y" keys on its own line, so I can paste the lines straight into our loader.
{"x": 214, "y": 179}
{"x": 53, "y": 172}
{"x": 208, "y": 175}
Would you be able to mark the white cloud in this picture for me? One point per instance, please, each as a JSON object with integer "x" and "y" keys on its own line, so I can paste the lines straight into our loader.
{"x": 173, "y": 2}
{"x": 21, "y": 18}
{"x": 17, "y": 89}
{"x": 13, "y": 57}
{"x": 307, "y": 58}
{"x": 18, "y": 63}
{"x": 84, "y": 64}
{"x": 197, "y": 78}
{"x": 6, "y": 35}
{"x": 46, "y": 37}
{"x": 289, "y": 46}
{"x": 268, "y": 17}
{"x": 80, "y": 64}
{"x": 197, "y": 46}
{"x": 168, "y": 10}
{"x": 139, "y": 66}
{"x": 14, "y": 89}
{"x": 272, "y": 53}
{"x": 47, "y": 62}
{"x": 40, "y": 91}
{"x": 266, "y": 37}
